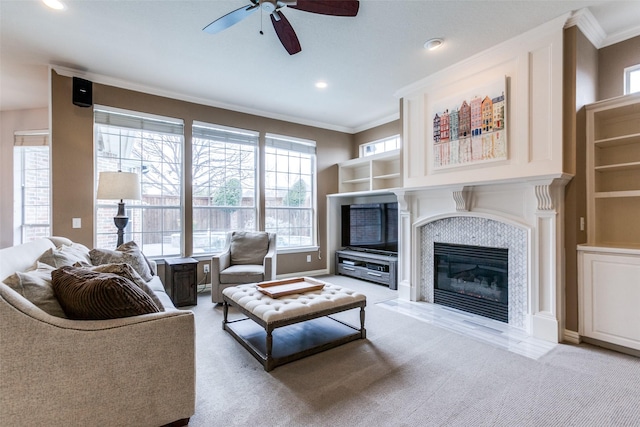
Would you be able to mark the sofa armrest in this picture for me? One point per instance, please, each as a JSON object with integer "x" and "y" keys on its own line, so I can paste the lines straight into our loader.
{"x": 131, "y": 371}
{"x": 153, "y": 266}
{"x": 219, "y": 262}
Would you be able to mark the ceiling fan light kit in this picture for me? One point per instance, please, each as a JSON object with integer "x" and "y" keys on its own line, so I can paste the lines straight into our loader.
{"x": 284, "y": 29}
{"x": 268, "y": 6}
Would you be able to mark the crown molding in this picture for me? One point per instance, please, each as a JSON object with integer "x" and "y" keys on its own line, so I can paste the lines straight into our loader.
{"x": 588, "y": 25}
{"x": 379, "y": 122}
{"x": 621, "y": 36}
{"x": 123, "y": 84}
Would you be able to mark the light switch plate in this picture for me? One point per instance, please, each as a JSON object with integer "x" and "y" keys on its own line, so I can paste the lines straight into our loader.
{"x": 76, "y": 223}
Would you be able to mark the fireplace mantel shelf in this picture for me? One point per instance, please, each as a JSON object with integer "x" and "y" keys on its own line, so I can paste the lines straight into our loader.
{"x": 548, "y": 179}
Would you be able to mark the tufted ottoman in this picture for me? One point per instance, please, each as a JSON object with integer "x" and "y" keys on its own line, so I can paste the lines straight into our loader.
{"x": 306, "y": 326}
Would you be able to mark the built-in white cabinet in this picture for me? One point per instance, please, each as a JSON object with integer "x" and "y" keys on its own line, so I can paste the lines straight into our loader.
{"x": 371, "y": 173}
{"x": 609, "y": 263}
{"x": 610, "y": 295}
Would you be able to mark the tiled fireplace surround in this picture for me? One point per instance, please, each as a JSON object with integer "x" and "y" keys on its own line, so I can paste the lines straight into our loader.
{"x": 524, "y": 216}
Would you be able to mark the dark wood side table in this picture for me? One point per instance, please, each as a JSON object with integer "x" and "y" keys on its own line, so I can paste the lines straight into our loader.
{"x": 180, "y": 275}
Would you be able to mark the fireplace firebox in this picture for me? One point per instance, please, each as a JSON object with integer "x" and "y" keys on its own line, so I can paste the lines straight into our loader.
{"x": 473, "y": 279}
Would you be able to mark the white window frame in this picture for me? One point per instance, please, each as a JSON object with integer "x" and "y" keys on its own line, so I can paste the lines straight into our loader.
{"x": 628, "y": 71}
{"x": 23, "y": 140}
{"x": 388, "y": 144}
{"x": 304, "y": 146}
{"x": 140, "y": 121}
{"x": 233, "y": 136}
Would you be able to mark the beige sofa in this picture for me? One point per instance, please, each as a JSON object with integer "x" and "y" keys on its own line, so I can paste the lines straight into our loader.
{"x": 132, "y": 371}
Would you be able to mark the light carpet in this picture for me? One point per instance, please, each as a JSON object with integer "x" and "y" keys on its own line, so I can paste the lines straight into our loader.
{"x": 409, "y": 373}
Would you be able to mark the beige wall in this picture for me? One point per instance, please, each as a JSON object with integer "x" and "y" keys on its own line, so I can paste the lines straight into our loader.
{"x": 10, "y": 122}
{"x": 612, "y": 60}
{"x": 580, "y": 82}
{"x": 73, "y": 162}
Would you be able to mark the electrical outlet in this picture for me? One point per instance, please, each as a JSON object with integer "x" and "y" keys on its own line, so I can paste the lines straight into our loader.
{"x": 308, "y": 258}
{"x": 206, "y": 268}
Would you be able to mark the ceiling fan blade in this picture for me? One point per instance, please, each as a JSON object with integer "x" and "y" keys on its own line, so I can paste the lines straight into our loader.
{"x": 285, "y": 33}
{"x": 328, "y": 7}
{"x": 231, "y": 18}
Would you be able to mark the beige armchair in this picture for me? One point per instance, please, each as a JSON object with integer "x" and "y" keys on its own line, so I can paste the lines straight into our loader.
{"x": 248, "y": 257}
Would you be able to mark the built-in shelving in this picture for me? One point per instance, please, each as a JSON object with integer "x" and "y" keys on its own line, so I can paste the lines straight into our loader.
{"x": 613, "y": 171}
{"x": 609, "y": 263}
{"x": 371, "y": 173}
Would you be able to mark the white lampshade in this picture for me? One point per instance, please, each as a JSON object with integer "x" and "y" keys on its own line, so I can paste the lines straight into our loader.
{"x": 118, "y": 186}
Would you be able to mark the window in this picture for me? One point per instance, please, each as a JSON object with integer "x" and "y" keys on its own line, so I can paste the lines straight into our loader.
{"x": 224, "y": 184}
{"x": 152, "y": 147}
{"x": 290, "y": 190}
{"x": 32, "y": 194}
{"x": 632, "y": 79}
{"x": 380, "y": 146}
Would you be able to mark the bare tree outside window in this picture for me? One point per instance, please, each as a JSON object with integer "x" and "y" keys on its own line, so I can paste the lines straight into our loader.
{"x": 153, "y": 149}
{"x": 224, "y": 185}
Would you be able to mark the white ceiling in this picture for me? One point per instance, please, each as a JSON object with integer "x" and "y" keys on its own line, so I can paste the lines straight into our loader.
{"x": 159, "y": 47}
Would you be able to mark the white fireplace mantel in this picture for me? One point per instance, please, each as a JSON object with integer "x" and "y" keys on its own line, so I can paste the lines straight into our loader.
{"x": 524, "y": 191}
{"x": 534, "y": 205}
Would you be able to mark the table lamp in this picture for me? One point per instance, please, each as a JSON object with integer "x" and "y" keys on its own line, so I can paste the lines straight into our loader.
{"x": 119, "y": 186}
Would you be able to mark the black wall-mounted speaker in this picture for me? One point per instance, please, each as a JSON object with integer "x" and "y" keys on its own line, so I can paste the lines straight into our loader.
{"x": 82, "y": 92}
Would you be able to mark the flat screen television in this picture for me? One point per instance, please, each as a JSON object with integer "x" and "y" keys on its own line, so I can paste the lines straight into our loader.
{"x": 370, "y": 226}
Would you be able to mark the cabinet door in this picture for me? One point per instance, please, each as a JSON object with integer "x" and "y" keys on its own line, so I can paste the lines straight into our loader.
{"x": 184, "y": 289}
{"x": 610, "y": 298}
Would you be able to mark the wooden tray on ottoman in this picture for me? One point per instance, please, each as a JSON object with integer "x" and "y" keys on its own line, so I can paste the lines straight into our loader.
{"x": 297, "y": 285}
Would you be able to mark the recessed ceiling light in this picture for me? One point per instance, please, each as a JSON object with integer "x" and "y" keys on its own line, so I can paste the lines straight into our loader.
{"x": 433, "y": 44}
{"x": 54, "y": 4}
{"x": 321, "y": 85}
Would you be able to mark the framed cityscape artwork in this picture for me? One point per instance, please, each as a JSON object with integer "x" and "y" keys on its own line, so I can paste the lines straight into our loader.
{"x": 471, "y": 129}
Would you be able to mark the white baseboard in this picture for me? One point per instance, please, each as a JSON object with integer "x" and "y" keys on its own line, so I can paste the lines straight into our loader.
{"x": 571, "y": 337}
{"x": 303, "y": 273}
{"x": 203, "y": 287}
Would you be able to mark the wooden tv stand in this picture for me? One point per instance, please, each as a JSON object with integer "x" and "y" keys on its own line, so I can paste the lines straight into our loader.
{"x": 374, "y": 266}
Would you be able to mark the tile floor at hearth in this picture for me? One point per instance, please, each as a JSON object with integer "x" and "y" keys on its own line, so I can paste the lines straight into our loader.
{"x": 481, "y": 328}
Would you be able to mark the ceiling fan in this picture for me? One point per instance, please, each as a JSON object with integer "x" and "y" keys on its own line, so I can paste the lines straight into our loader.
{"x": 283, "y": 28}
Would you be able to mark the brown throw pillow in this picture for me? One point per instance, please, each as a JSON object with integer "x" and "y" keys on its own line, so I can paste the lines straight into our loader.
{"x": 127, "y": 253}
{"x": 90, "y": 295}
{"x": 126, "y": 271}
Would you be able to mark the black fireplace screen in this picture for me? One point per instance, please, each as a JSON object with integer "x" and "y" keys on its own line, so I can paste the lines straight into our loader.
{"x": 472, "y": 279}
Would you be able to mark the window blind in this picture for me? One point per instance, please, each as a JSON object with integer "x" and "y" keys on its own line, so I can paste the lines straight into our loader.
{"x": 285, "y": 143}
{"x": 140, "y": 121}
{"x": 31, "y": 138}
{"x": 224, "y": 134}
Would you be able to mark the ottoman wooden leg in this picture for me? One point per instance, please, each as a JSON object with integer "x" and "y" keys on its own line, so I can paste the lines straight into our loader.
{"x": 225, "y": 310}
{"x": 363, "y": 331}
{"x": 269, "y": 350}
